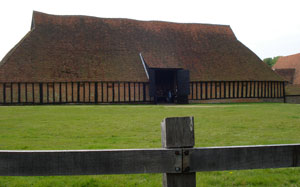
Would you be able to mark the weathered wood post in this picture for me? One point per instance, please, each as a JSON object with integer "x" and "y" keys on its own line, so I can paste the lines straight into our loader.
{"x": 178, "y": 132}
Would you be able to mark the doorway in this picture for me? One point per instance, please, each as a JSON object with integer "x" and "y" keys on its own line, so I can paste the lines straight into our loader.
{"x": 165, "y": 82}
{"x": 169, "y": 85}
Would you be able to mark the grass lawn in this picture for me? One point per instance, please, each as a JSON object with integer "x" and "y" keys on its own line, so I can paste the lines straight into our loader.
{"x": 138, "y": 126}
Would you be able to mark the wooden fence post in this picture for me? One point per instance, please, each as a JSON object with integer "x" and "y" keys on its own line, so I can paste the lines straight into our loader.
{"x": 178, "y": 132}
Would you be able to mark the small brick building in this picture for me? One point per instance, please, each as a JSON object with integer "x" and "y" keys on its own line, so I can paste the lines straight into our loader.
{"x": 289, "y": 68}
{"x": 81, "y": 59}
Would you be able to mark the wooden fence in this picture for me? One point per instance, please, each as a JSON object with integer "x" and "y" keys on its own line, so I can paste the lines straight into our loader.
{"x": 177, "y": 160}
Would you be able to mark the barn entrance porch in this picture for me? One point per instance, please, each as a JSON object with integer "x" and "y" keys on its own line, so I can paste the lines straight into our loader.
{"x": 169, "y": 85}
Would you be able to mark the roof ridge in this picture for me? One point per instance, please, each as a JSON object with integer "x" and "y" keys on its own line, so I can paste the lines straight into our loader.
{"x": 296, "y": 54}
{"x": 35, "y": 13}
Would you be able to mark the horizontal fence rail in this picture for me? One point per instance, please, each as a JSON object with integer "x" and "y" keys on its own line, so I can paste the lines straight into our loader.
{"x": 74, "y": 92}
{"x": 236, "y": 89}
{"x": 178, "y": 160}
{"x": 244, "y": 157}
{"x": 132, "y": 161}
{"x": 88, "y": 162}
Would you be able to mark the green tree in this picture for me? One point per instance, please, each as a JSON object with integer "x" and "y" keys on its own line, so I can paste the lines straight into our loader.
{"x": 271, "y": 61}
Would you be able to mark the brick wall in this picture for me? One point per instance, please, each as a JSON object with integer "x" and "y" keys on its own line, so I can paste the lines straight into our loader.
{"x": 292, "y": 99}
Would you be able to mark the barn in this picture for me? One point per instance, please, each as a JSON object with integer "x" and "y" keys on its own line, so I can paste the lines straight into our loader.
{"x": 289, "y": 68}
{"x": 82, "y": 59}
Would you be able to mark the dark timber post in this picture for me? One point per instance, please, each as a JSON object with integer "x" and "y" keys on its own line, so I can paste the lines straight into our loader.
{"x": 78, "y": 92}
{"x": 178, "y": 132}
{"x": 60, "y": 92}
{"x": 11, "y": 92}
{"x": 53, "y": 92}
{"x": 113, "y": 92}
{"x": 196, "y": 90}
{"x": 26, "y": 92}
{"x": 72, "y": 93}
{"x": 84, "y": 92}
{"x": 119, "y": 92}
{"x": 224, "y": 85}
{"x": 284, "y": 99}
{"x": 102, "y": 92}
{"x": 66, "y": 91}
{"x": 32, "y": 87}
{"x": 206, "y": 94}
{"x": 41, "y": 93}
{"x": 96, "y": 92}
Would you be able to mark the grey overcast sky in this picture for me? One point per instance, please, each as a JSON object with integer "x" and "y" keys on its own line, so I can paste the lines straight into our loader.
{"x": 268, "y": 27}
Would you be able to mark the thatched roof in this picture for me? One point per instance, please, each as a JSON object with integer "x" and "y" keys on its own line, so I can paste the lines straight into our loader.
{"x": 81, "y": 48}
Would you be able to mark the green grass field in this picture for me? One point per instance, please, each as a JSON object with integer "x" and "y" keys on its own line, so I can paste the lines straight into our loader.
{"x": 138, "y": 126}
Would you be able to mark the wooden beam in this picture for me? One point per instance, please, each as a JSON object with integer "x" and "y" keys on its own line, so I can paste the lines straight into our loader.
{"x": 113, "y": 92}
{"x": 210, "y": 90}
{"x": 11, "y": 93}
{"x": 53, "y": 92}
{"x": 26, "y": 94}
{"x": 244, "y": 157}
{"x": 124, "y": 90}
{"x": 129, "y": 95}
{"x": 41, "y": 93}
{"x": 84, "y": 92}
{"x": 134, "y": 94}
{"x": 96, "y": 92}
{"x": 201, "y": 90}
{"x": 233, "y": 89}
{"x": 206, "y": 95}
{"x": 224, "y": 89}
{"x": 78, "y": 92}
{"x": 119, "y": 92}
{"x": 89, "y": 162}
{"x": 238, "y": 89}
{"x": 102, "y": 92}
{"x": 66, "y": 91}
{"x": 197, "y": 90}
{"x": 107, "y": 95}
{"x": 215, "y": 90}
